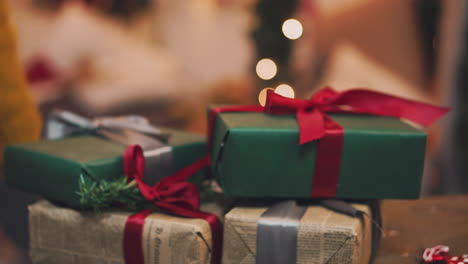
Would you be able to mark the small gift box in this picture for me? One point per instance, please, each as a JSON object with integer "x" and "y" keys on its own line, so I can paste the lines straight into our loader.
{"x": 289, "y": 233}
{"x": 57, "y": 169}
{"x": 61, "y": 235}
{"x": 346, "y": 145}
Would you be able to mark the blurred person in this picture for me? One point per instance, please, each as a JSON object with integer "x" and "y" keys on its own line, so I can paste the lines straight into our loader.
{"x": 106, "y": 58}
{"x": 19, "y": 122}
{"x": 94, "y": 58}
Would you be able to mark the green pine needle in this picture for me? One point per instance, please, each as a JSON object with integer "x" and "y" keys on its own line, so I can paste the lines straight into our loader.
{"x": 103, "y": 194}
{"x": 99, "y": 194}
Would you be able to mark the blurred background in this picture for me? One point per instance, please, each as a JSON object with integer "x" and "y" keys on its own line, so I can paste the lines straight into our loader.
{"x": 168, "y": 59}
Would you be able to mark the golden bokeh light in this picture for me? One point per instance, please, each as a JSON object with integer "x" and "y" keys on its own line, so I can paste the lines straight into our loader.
{"x": 292, "y": 28}
{"x": 266, "y": 69}
{"x": 285, "y": 90}
{"x": 262, "y": 96}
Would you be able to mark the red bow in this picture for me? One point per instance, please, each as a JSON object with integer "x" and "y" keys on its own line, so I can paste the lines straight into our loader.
{"x": 313, "y": 122}
{"x": 173, "y": 195}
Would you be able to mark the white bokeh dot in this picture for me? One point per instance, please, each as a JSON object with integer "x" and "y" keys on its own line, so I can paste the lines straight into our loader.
{"x": 266, "y": 69}
{"x": 292, "y": 28}
{"x": 285, "y": 90}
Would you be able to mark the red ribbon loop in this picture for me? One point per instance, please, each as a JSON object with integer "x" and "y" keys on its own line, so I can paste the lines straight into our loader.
{"x": 173, "y": 195}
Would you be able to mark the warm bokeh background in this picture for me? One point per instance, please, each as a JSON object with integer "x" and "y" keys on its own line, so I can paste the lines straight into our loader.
{"x": 169, "y": 59}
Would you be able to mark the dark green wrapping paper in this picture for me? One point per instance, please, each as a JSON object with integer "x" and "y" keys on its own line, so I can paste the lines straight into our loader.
{"x": 258, "y": 155}
{"x": 52, "y": 168}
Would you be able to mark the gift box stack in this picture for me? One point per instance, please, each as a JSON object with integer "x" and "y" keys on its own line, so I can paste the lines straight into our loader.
{"x": 95, "y": 165}
{"x": 308, "y": 176}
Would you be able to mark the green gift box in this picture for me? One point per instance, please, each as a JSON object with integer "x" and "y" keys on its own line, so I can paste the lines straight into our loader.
{"x": 258, "y": 155}
{"x": 52, "y": 168}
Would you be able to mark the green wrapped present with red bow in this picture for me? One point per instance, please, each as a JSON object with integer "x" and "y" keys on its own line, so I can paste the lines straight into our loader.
{"x": 81, "y": 157}
{"x": 104, "y": 162}
{"x": 351, "y": 144}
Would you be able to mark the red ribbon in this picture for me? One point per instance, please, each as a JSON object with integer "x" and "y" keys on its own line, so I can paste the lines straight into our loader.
{"x": 173, "y": 195}
{"x": 440, "y": 255}
{"x": 315, "y": 124}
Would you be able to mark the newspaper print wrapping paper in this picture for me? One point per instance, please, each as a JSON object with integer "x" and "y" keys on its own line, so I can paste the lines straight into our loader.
{"x": 60, "y": 235}
{"x": 324, "y": 236}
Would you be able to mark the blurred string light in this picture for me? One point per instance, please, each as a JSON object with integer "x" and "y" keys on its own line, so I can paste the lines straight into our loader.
{"x": 292, "y": 28}
{"x": 285, "y": 90}
{"x": 282, "y": 89}
{"x": 266, "y": 69}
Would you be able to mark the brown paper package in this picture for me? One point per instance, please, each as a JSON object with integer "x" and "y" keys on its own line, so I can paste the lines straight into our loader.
{"x": 324, "y": 236}
{"x": 60, "y": 235}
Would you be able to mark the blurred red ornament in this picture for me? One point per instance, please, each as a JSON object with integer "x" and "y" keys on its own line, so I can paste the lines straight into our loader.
{"x": 39, "y": 70}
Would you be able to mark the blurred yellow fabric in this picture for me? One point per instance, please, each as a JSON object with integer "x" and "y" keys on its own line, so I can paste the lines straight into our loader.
{"x": 19, "y": 118}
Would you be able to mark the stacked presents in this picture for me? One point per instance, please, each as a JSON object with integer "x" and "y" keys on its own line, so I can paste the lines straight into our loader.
{"x": 301, "y": 182}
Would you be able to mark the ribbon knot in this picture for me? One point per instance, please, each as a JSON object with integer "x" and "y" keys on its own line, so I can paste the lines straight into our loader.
{"x": 310, "y": 114}
{"x": 130, "y": 129}
{"x": 180, "y": 193}
{"x": 173, "y": 195}
{"x": 324, "y": 97}
{"x": 322, "y": 100}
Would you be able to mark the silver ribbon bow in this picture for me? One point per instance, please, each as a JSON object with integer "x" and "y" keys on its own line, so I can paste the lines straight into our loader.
{"x": 127, "y": 130}
{"x": 278, "y": 227}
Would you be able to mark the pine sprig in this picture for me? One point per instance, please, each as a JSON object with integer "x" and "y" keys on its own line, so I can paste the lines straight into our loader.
{"x": 99, "y": 194}
{"x": 103, "y": 194}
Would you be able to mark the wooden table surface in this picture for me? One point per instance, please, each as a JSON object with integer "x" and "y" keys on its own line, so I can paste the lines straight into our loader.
{"x": 411, "y": 226}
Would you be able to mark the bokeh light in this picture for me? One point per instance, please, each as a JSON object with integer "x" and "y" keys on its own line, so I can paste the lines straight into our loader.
{"x": 285, "y": 90}
{"x": 292, "y": 28}
{"x": 263, "y": 95}
{"x": 266, "y": 69}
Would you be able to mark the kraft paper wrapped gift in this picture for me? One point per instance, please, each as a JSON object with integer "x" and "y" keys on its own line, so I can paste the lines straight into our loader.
{"x": 52, "y": 168}
{"x": 324, "y": 236}
{"x": 61, "y": 235}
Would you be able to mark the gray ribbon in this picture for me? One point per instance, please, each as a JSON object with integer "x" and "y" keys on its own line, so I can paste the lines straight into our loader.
{"x": 63, "y": 123}
{"x": 277, "y": 232}
{"x": 127, "y": 130}
{"x": 278, "y": 228}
